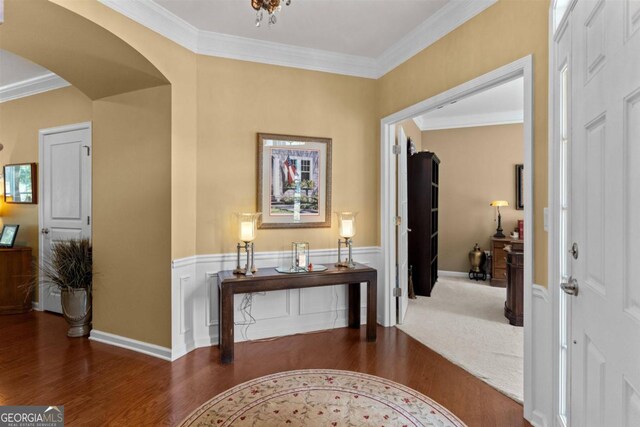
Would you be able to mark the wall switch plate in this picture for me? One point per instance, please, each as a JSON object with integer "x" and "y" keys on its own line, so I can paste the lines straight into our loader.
{"x": 546, "y": 219}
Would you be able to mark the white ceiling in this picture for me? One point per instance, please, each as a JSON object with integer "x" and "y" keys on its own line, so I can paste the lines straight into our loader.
{"x": 14, "y": 68}
{"x": 20, "y": 77}
{"x": 354, "y": 27}
{"x": 365, "y": 38}
{"x": 502, "y": 104}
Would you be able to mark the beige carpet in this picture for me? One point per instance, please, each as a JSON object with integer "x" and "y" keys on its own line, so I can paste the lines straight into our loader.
{"x": 464, "y": 321}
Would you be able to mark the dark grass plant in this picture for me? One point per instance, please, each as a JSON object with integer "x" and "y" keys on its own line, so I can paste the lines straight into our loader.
{"x": 70, "y": 265}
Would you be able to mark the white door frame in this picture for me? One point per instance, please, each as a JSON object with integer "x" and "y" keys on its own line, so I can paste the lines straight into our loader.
{"x": 558, "y": 13}
{"x": 520, "y": 68}
{"x": 41, "y": 134}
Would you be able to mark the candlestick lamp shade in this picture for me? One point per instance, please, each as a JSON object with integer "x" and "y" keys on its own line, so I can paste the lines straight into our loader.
{"x": 247, "y": 225}
{"x": 347, "y": 224}
{"x": 499, "y": 203}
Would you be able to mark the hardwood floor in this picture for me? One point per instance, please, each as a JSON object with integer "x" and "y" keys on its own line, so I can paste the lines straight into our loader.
{"x": 100, "y": 384}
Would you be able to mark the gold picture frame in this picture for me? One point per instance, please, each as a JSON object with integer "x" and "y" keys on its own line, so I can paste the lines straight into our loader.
{"x": 294, "y": 181}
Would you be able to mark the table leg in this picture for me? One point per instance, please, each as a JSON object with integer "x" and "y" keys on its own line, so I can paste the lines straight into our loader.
{"x": 226, "y": 325}
{"x": 372, "y": 308}
{"x": 354, "y": 305}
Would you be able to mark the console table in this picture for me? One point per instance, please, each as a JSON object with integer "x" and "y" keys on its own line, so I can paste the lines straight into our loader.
{"x": 268, "y": 279}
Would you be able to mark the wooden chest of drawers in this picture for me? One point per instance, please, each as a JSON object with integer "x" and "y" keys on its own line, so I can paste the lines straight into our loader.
{"x": 15, "y": 272}
{"x": 499, "y": 260}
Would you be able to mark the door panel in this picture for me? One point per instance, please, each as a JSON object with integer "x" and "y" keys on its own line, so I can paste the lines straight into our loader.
{"x": 65, "y": 171}
{"x": 66, "y": 194}
{"x": 632, "y": 199}
{"x": 605, "y": 201}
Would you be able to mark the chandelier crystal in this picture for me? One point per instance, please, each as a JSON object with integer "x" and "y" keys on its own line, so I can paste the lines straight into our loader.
{"x": 270, "y": 6}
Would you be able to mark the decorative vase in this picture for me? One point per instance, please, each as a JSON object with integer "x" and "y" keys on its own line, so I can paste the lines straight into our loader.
{"x": 76, "y": 308}
{"x": 477, "y": 258}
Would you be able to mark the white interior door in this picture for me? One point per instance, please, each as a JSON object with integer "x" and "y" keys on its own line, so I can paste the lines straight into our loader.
{"x": 65, "y": 185}
{"x": 605, "y": 208}
{"x": 402, "y": 211}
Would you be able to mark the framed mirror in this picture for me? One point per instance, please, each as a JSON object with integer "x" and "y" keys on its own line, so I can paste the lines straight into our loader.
{"x": 21, "y": 183}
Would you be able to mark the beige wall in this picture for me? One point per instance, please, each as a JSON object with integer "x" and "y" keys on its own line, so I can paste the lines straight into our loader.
{"x": 412, "y": 131}
{"x": 238, "y": 99}
{"x": 178, "y": 65}
{"x": 503, "y": 33}
{"x": 216, "y": 108}
{"x": 20, "y": 121}
{"x": 132, "y": 215}
{"x": 477, "y": 166}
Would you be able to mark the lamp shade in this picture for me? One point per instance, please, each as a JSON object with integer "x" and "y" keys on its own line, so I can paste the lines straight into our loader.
{"x": 499, "y": 203}
{"x": 347, "y": 224}
{"x": 247, "y": 224}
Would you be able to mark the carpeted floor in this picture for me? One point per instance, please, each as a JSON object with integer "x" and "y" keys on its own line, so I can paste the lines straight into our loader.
{"x": 464, "y": 321}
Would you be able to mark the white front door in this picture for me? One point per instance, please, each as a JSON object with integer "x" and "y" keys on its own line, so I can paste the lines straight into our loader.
{"x": 65, "y": 185}
{"x": 402, "y": 227}
{"x": 604, "y": 215}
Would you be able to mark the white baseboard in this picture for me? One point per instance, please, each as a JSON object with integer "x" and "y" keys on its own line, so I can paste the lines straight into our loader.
{"x": 538, "y": 419}
{"x": 445, "y": 273}
{"x": 36, "y": 306}
{"x": 194, "y": 300}
{"x": 131, "y": 344}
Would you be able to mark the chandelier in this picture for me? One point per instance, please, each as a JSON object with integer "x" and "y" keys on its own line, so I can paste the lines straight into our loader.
{"x": 271, "y": 6}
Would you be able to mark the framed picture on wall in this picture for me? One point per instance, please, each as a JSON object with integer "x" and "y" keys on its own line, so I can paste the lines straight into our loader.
{"x": 294, "y": 181}
{"x": 519, "y": 187}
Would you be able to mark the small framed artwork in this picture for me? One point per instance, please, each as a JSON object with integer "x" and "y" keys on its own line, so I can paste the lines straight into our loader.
{"x": 519, "y": 187}
{"x": 8, "y": 236}
{"x": 294, "y": 181}
{"x": 21, "y": 183}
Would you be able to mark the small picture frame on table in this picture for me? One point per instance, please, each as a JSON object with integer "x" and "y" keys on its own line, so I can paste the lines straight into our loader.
{"x": 8, "y": 236}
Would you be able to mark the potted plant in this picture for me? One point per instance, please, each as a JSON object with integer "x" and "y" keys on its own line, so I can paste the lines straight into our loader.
{"x": 70, "y": 269}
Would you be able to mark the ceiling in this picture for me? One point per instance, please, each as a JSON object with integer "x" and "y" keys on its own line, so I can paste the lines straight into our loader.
{"x": 20, "y": 77}
{"x": 501, "y": 104}
{"x": 364, "y": 38}
{"x": 14, "y": 68}
{"x": 354, "y": 27}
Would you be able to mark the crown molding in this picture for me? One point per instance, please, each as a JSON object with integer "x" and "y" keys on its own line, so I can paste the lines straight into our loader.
{"x": 265, "y": 52}
{"x": 158, "y": 19}
{"x": 471, "y": 120}
{"x": 448, "y": 18}
{"x": 33, "y": 86}
{"x": 165, "y": 23}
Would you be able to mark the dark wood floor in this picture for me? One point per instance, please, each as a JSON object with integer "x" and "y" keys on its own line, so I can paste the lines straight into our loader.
{"x": 104, "y": 385}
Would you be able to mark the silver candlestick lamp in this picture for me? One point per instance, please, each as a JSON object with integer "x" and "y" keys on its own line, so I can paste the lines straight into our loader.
{"x": 247, "y": 224}
{"x": 346, "y": 230}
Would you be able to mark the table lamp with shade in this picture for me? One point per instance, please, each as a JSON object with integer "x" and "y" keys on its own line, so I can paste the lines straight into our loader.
{"x": 247, "y": 225}
{"x": 346, "y": 230}
{"x": 498, "y": 204}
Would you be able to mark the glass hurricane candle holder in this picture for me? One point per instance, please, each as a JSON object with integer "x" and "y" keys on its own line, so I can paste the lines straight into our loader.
{"x": 300, "y": 256}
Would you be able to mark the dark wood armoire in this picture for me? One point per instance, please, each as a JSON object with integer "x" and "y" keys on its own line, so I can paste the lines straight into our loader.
{"x": 423, "y": 170}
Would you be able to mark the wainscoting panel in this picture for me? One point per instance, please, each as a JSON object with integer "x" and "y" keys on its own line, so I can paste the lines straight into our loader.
{"x": 194, "y": 301}
{"x": 541, "y": 376}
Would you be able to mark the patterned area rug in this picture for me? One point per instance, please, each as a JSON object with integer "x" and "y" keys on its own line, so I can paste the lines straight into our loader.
{"x": 319, "y": 397}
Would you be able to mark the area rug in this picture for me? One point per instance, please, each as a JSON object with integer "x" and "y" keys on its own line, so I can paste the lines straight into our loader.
{"x": 320, "y": 397}
{"x": 464, "y": 321}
